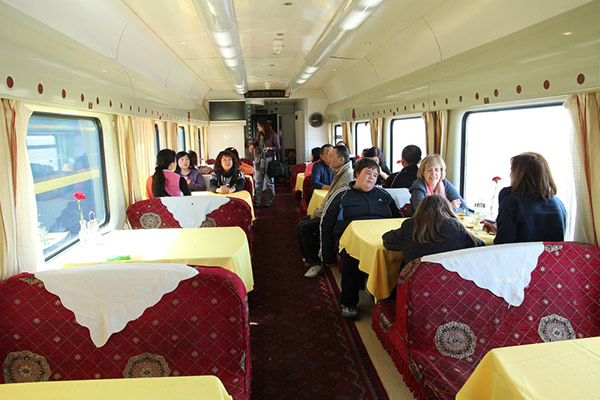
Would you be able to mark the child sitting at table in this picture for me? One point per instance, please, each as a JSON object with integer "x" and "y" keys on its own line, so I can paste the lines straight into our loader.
{"x": 358, "y": 201}
{"x": 434, "y": 229}
{"x": 226, "y": 177}
{"x": 165, "y": 182}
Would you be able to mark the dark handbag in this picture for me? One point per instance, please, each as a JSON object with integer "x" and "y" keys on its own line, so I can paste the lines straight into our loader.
{"x": 277, "y": 169}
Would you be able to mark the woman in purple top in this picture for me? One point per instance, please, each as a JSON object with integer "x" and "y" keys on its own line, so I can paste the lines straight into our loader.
{"x": 264, "y": 147}
{"x": 193, "y": 177}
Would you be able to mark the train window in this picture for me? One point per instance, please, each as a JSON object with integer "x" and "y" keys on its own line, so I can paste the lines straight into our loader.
{"x": 199, "y": 144}
{"x": 337, "y": 133}
{"x": 156, "y": 139}
{"x": 65, "y": 156}
{"x": 362, "y": 136}
{"x": 491, "y": 138}
{"x": 405, "y": 131}
{"x": 181, "y": 138}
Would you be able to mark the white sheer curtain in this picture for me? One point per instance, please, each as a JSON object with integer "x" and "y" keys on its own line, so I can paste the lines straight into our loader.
{"x": 585, "y": 111}
{"x": 20, "y": 246}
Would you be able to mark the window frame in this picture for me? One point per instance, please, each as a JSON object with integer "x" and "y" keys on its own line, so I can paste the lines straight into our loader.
{"x": 356, "y": 124}
{"x": 102, "y": 155}
{"x": 463, "y": 134}
{"x": 391, "y": 158}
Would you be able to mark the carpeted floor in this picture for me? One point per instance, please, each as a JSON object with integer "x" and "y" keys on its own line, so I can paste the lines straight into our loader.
{"x": 302, "y": 348}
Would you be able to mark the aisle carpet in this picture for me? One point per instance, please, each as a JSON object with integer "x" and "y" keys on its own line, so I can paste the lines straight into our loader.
{"x": 302, "y": 348}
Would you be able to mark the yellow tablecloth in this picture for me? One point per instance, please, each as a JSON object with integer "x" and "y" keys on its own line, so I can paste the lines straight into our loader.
{"x": 225, "y": 247}
{"x": 362, "y": 240}
{"x": 568, "y": 369}
{"x": 171, "y": 387}
{"x": 244, "y": 195}
{"x": 316, "y": 200}
{"x": 300, "y": 182}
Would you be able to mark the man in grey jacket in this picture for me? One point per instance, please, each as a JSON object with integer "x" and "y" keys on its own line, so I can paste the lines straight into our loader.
{"x": 308, "y": 228}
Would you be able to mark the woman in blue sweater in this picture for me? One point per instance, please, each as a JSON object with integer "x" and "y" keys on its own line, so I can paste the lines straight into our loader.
{"x": 529, "y": 209}
{"x": 431, "y": 179}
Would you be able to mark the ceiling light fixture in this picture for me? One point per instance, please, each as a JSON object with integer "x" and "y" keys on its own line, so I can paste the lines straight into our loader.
{"x": 218, "y": 18}
{"x": 350, "y": 15}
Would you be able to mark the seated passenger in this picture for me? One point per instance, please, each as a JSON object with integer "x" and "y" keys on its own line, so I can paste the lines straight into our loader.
{"x": 165, "y": 182}
{"x": 226, "y": 177}
{"x": 411, "y": 155}
{"x": 322, "y": 175}
{"x": 434, "y": 229}
{"x": 308, "y": 228}
{"x": 377, "y": 154}
{"x": 192, "y": 176}
{"x": 357, "y": 201}
{"x": 247, "y": 169}
{"x": 529, "y": 209}
{"x": 315, "y": 157}
{"x": 431, "y": 179}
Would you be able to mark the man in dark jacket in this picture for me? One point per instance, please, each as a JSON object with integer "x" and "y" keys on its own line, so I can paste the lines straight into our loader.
{"x": 322, "y": 175}
{"x": 360, "y": 200}
{"x": 411, "y": 155}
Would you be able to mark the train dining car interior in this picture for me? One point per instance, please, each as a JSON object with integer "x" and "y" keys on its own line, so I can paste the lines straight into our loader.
{"x": 324, "y": 199}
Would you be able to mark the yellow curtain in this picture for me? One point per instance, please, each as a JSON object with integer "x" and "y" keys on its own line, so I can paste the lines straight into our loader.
{"x": 204, "y": 143}
{"x": 376, "y": 131}
{"x": 145, "y": 153}
{"x": 192, "y": 138}
{"x": 331, "y": 134}
{"x": 347, "y": 136}
{"x": 20, "y": 247}
{"x": 585, "y": 111}
{"x": 127, "y": 161}
{"x": 436, "y": 132}
{"x": 171, "y": 135}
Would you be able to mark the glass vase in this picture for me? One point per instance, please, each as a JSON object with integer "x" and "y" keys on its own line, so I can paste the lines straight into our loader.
{"x": 83, "y": 232}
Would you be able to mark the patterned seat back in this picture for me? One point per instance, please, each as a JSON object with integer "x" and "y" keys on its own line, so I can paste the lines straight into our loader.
{"x": 450, "y": 323}
{"x": 200, "y": 328}
{"x": 153, "y": 214}
{"x": 306, "y": 194}
{"x": 205, "y": 170}
{"x": 248, "y": 186}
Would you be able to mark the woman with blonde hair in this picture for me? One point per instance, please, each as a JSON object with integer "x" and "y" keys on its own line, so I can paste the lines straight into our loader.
{"x": 434, "y": 229}
{"x": 529, "y": 209}
{"x": 431, "y": 179}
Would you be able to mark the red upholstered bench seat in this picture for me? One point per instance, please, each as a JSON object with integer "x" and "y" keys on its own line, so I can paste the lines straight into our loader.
{"x": 200, "y": 328}
{"x": 440, "y": 325}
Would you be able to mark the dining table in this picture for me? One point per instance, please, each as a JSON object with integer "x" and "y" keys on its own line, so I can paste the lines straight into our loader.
{"x": 317, "y": 198}
{"x": 299, "y": 182}
{"x": 225, "y": 247}
{"x": 567, "y": 369}
{"x": 155, "y": 388}
{"x": 362, "y": 240}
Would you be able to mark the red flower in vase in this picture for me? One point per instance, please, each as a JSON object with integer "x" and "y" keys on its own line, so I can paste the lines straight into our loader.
{"x": 496, "y": 179}
{"x": 79, "y": 196}
{"x": 399, "y": 162}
